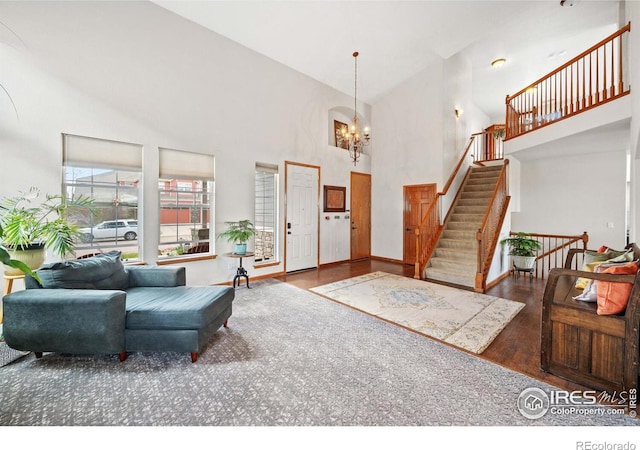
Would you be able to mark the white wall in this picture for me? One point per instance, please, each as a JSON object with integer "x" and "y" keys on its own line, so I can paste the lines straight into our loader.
{"x": 571, "y": 194}
{"x": 457, "y": 87}
{"x": 135, "y": 72}
{"x": 408, "y": 126}
{"x": 457, "y": 130}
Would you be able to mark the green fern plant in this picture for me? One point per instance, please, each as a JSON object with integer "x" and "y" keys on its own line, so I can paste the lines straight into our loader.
{"x": 238, "y": 232}
{"x": 25, "y": 223}
{"x": 521, "y": 245}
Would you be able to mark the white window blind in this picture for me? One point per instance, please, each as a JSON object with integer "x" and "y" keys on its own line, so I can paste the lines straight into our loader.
{"x": 81, "y": 151}
{"x": 177, "y": 164}
{"x": 266, "y": 213}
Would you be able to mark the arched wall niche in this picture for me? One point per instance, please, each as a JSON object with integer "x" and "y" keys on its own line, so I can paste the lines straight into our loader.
{"x": 344, "y": 115}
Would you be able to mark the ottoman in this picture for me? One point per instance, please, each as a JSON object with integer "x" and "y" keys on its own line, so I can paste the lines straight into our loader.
{"x": 175, "y": 319}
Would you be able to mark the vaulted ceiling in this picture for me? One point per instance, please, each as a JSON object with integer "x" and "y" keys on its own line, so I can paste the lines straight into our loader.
{"x": 398, "y": 39}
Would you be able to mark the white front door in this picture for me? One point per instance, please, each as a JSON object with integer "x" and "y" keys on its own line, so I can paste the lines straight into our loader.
{"x": 302, "y": 217}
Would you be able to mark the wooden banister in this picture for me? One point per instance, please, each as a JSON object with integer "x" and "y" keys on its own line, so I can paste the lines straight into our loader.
{"x": 592, "y": 78}
{"x": 458, "y": 166}
{"x": 482, "y": 147}
{"x": 554, "y": 250}
{"x": 488, "y": 145}
{"x": 489, "y": 231}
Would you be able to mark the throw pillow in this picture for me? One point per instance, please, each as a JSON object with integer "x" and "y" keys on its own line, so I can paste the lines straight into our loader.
{"x": 593, "y": 259}
{"x": 613, "y": 297}
{"x": 589, "y": 294}
{"x": 103, "y": 271}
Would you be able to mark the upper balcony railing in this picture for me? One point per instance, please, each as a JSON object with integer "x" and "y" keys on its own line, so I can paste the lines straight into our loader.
{"x": 592, "y": 78}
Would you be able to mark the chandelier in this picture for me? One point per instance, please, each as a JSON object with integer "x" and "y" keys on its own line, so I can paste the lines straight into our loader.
{"x": 352, "y": 138}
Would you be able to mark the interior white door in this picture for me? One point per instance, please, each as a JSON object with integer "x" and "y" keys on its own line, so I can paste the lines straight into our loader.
{"x": 302, "y": 217}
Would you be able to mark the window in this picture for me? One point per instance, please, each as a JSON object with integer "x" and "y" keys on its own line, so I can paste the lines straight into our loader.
{"x": 266, "y": 214}
{"x": 108, "y": 172}
{"x": 186, "y": 186}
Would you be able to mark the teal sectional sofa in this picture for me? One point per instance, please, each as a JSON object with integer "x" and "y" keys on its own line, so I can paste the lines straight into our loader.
{"x": 97, "y": 305}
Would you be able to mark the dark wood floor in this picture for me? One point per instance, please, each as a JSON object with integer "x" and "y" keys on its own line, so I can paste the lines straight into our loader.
{"x": 517, "y": 347}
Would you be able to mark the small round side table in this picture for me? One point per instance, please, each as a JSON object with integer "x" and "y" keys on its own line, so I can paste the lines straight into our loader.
{"x": 241, "y": 272}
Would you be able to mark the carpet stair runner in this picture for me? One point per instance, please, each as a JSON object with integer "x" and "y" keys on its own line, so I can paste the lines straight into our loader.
{"x": 454, "y": 259}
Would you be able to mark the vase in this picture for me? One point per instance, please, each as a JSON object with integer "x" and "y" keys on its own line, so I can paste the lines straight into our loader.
{"x": 241, "y": 249}
{"x": 524, "y": 262}
{"x": 33, "y": 256}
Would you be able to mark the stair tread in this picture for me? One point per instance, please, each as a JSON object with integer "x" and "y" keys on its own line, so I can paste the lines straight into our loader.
{"x": 454, "y": 265}
{"x": 462, "y": 280}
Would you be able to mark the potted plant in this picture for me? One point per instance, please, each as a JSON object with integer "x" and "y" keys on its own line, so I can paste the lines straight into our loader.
{"x": 238, "y": 233}
{"x": 522, "y": 249}
{"x": 5, "y": 258}
{"x": 27, "y": 228}
{"x": 499, "y": 134}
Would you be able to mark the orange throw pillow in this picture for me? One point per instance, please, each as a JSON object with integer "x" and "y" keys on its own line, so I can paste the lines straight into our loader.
{"x": 614, "y": 297}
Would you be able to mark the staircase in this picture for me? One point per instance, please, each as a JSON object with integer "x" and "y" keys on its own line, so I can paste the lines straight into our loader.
{"x": 454, "y": 259}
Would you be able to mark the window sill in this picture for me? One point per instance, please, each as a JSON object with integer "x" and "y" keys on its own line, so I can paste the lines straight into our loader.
{"x": 269, "y": 264}
{"x": 184, "y": 259}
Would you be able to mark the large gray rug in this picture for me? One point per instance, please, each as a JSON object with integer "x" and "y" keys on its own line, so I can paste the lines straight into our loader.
{"x": 289, "y": 357}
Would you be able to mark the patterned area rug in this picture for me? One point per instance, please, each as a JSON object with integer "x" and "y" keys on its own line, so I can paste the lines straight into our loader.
{"x": 288, "y": 358}
{"x": 466, "y": 319}
{"x": 7, "y": 354}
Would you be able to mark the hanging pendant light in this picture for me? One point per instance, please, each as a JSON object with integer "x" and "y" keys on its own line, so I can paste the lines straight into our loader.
{"x": 353, "y": 137}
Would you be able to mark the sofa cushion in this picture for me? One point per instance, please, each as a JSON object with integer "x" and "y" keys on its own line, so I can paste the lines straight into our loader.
{"x": 175, "y": 308}
{"x": 103, "y": 271}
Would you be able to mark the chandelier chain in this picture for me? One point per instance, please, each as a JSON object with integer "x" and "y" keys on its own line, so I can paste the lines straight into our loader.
{"x": 355, "y": 87}
{"x": 353, "y": 137}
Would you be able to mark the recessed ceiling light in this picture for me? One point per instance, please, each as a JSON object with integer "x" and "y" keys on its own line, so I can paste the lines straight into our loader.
{"x": 498, "y": 62}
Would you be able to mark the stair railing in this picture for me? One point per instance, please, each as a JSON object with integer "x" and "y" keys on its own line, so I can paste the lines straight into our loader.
{"x": 489, "y": 232}
{"x": 592, "y": 78}
{"x": 488, "y": 145}
{"x": 430, "y": 228}
{"x": 554, "y": 250}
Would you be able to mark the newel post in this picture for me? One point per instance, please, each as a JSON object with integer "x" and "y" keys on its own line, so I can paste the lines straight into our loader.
{"x": 416, "y": 273}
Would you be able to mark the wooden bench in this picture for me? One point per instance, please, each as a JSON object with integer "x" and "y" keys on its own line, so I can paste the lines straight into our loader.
{"x": 577, "y": 344}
